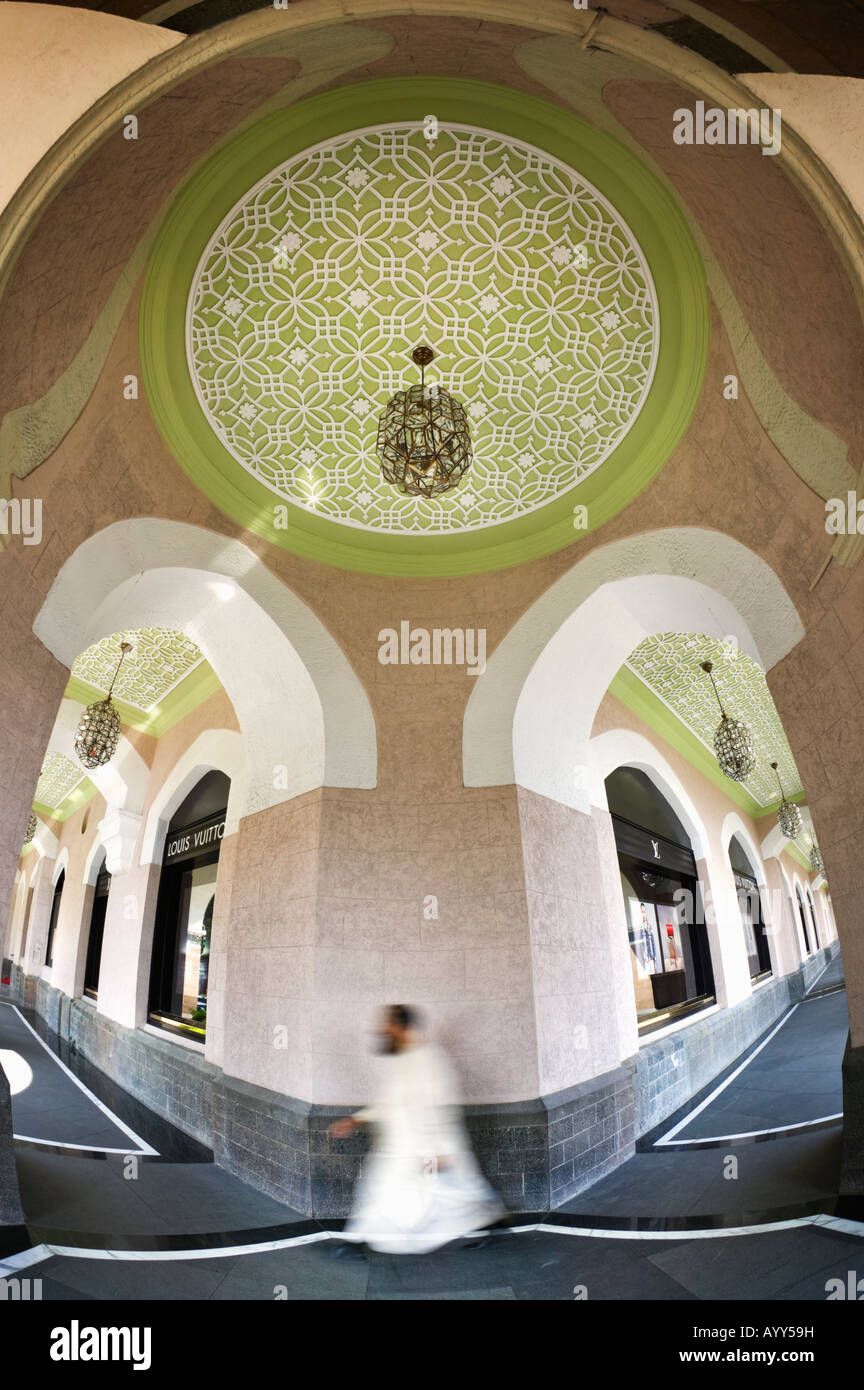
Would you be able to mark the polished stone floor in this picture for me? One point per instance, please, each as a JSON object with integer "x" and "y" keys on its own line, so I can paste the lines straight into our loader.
{"x": 734, "y": 1198}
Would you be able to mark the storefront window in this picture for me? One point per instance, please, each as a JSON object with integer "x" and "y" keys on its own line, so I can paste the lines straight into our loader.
{"x": 670, "y": 959}
{"x": 97, "y": 929}
{"x": 184, "y": 913}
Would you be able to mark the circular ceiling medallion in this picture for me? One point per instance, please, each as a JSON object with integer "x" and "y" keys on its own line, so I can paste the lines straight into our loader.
{"x": 314, "y": 288}
{"x": 552, "y": 273}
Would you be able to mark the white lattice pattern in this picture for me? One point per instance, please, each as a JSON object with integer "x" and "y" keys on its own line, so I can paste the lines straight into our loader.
{"x": 522, "y": 277}
{"x": 160, "y": 658}
{"x": 58, "y": 778}
{"x": 669, "y": 664}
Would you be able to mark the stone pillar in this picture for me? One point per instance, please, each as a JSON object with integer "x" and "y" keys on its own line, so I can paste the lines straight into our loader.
{"x": 783, "y": 933}
{"x": 819, "y": 693}
{"x": 124, "y": 978}
{"x": 10, "y": 1198}
{"x": 39, "y": 919}
{"x": 725, "y": 932}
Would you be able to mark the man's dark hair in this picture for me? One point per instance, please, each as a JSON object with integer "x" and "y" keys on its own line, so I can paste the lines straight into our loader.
{"x": 405, "y": 1016}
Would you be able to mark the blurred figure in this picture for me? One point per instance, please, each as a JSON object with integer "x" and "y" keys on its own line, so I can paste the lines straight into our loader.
{"x": 421, "y": 1185}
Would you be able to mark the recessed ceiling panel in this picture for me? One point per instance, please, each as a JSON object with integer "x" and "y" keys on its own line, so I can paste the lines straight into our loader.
{"x": 519, "y": 273}
{"x": 551, "y": 272}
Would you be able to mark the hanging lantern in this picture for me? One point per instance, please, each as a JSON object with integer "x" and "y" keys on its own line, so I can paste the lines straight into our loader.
{"x": 816, "y": 859}
{"x": 99, "y": 729}
{"x": 32, "y": 827}
{"x": 424, "y": 442}
{"x": 733, "y": 742}
{"x": 788, "y": 815}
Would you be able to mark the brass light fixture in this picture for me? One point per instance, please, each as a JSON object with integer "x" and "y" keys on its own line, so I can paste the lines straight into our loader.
{"x": 99, "y": 729}
{"x": 733, "y": 742}
{"x": 788, "y": 815}
{"x": 424, "y": 442}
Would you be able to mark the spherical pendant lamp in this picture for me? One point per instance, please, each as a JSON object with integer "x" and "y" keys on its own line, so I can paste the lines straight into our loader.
{"x": 788, "y": 815}
{"x": 424, "y": 442}
{"x": 99, "y": 728}
{"x": 733, "y": 742}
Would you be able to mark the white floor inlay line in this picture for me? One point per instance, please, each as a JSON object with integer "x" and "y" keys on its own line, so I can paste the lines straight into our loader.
{"x": 753, "y": 1133}
{"x": 142, "y": 1146}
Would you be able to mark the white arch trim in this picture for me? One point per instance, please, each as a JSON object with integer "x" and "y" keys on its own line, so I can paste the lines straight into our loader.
{"x": 61, "y": 866}
{"x": 216, "y": 750}
{"x": 45, "y": 842}
{"x": 91, "y": 866}
{"x": 734, "y": 825}
{"x": 298, "y": 701}
{"x": 547, "y": 677}
{"x": 625, "y": 748}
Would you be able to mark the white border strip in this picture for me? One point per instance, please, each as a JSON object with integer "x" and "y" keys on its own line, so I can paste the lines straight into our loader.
{"x": 829, "y": 961}
{"x": 855, "y": 1228}
{"x": 81, "y": 1148}
{"x": 79, "y": 1252}
{"x": 752, "y": 1133}
{"x": 143, "y": 1146}
{"x": 691, "y": 1115}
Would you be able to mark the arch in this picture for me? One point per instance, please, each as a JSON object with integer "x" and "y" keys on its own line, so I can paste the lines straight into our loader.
{"x": 45, "y": 842}
{"x": 215, "y": 750}
{"x": 733, "y": 825}
{"x": 811, "y": 906}
{"x": 529, "y": 716}
{"x": 298, "y": 701}
{"x": 95, "y": 855}
{"x": 61, "y": 865}
{"x": 801, "y": 909}
{"x": 625, "y": 748}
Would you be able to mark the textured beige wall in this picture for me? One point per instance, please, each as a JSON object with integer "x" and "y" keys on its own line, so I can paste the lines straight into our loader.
{"x": 76, "y": 56}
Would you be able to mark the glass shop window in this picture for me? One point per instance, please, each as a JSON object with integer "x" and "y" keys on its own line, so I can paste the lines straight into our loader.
{"x": 670, "y": 957}
{"x": 184, "y": 912}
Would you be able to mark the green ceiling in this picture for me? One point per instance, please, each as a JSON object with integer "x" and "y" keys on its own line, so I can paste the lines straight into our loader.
{"x": 298, "y": 267}
{"x": 662, "y": 682}
{"x": 63, "y": 786}
{"x": 162, "y": 679}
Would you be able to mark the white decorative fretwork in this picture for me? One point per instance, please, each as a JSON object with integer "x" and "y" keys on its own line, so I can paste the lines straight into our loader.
{"x": 520, "y": 274}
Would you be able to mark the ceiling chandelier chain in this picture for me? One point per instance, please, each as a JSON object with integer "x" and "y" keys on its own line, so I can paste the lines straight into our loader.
{"x": 733, "y": 741}
{"x": 99, "y": 730}
{"x": 788, "y": 816}
{"x": 424, "y": 441}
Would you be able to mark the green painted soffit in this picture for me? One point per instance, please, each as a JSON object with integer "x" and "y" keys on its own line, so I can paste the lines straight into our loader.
{"x": 637, "y": 196}
{"x": 191, "y": 692}
{"x": 797, "y": 854}
{"x": 78, "y": 797}
{"x": 638, "y": 697}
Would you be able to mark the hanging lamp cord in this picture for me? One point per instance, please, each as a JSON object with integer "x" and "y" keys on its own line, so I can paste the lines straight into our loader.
{"x": 124, "y": 648}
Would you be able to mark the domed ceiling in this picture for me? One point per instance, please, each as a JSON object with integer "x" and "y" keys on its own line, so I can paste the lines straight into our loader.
{"x": 553, "y": 277}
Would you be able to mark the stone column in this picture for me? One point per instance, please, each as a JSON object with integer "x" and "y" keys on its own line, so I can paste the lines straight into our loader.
{"x": 783, "y": 929}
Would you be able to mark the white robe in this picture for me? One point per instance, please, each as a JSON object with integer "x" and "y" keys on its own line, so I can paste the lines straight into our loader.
{"x": 403, "y": 1203}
